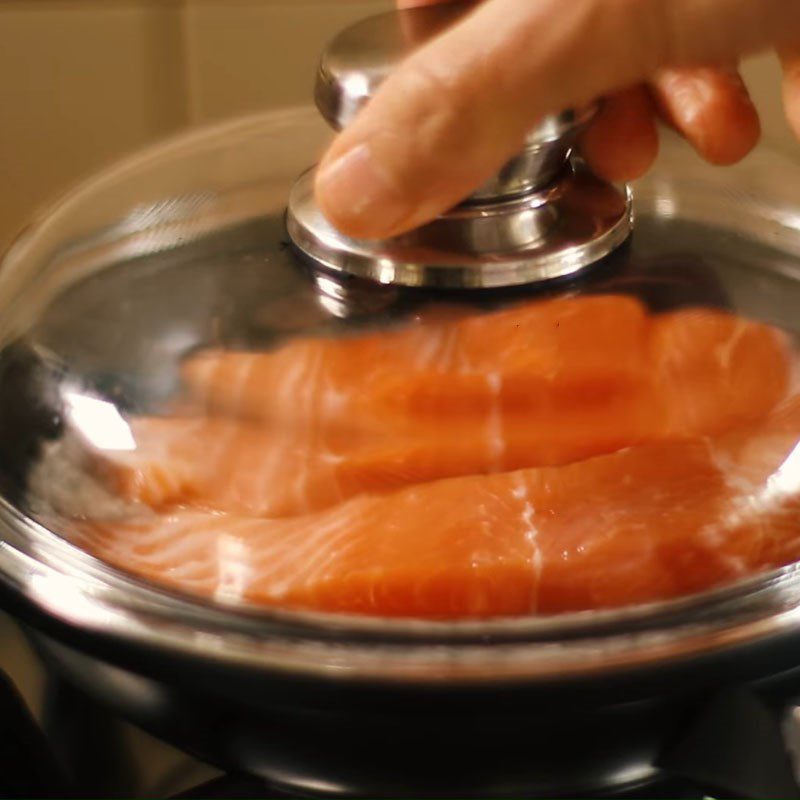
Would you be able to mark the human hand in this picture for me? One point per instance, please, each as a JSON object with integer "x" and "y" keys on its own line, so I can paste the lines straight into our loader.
{"x": 458, "y": 109}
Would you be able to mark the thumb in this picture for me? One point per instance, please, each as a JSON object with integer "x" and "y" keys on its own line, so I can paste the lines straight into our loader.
{"x": 460, "y": 107}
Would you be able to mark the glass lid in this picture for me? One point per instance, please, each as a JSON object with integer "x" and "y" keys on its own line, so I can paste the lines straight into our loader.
{"x": 194, "y": 403}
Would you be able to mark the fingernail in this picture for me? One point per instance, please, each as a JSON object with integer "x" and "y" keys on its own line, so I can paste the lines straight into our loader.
{"x": 360, "y": 194}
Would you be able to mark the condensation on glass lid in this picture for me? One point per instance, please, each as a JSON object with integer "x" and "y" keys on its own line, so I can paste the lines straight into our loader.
{"x": 557, "y": 454}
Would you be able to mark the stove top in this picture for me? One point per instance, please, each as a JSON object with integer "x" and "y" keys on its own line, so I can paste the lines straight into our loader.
{"x": 55, "y": 742}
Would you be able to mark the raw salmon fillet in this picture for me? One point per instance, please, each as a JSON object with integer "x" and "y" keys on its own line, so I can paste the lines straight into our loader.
{"x": 641, "y": 525}
{"x": 593, "y": 359}
{"x": 564, "y": 455}
{"x": 397, "y": 379}
{"x": 225, "y": 465}
{"x": 568, "y": 380}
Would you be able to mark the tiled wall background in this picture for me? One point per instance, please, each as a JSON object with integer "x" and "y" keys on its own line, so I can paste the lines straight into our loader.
{"x": 85, "y": 81}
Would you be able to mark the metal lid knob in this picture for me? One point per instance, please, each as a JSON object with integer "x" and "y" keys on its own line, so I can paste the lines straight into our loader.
{"x": 542, "y": 216}
{"x": 358, "y": 61}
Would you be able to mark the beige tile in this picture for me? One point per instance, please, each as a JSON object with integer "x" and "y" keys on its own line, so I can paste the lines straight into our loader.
{"x": 81, "y": 84}
{"x": 247, "y": 55}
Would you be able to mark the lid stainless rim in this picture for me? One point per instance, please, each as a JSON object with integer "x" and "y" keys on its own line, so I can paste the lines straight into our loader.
{"x": 77, "y": 590}
{"x": 510, "y": 246}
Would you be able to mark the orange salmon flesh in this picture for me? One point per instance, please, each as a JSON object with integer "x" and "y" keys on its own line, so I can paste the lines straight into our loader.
{"x": 571, "y": 454}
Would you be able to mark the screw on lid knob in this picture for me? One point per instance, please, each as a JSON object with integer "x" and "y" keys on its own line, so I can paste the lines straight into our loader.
{"x": 358, "y": 61}
{"x": 543, "y": 216}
